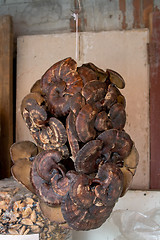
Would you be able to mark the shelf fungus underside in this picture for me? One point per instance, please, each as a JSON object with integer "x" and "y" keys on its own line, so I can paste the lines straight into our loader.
{"x": 82, "y": 160}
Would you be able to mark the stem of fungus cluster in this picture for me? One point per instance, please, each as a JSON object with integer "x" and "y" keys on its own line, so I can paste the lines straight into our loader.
{"x": 61, "y": 170}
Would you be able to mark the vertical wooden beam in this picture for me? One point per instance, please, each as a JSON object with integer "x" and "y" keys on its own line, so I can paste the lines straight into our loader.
{"x": 154, "y": 56}
{"x": 137, "y": 6}
{"x": 141, "y": 12}
{"x": 122, "y": 7}
{"x": 6, "y": 94}
{"x": 147, "y": 9}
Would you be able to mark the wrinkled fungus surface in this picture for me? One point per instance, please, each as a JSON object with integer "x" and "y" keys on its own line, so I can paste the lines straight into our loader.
{"x": 82, "y": 160}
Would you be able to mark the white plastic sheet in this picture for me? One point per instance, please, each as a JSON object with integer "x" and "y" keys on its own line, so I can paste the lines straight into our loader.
{"x": 135, "y": 225}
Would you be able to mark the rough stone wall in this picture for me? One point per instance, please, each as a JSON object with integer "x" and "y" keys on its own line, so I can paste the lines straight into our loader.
{"x": 54, "y": 16}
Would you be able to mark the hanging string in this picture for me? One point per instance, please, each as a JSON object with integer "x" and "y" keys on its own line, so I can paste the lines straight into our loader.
{"x": 75, "y": 15}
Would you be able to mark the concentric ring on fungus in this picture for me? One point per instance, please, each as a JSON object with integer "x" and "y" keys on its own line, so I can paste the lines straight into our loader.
{"x": 45, "y": 166}
{"x": 59, "y": 83}
{"x": 84, "y": 160}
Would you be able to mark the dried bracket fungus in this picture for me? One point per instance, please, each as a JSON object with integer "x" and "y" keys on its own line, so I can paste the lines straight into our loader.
{"x": 83, "y": 160}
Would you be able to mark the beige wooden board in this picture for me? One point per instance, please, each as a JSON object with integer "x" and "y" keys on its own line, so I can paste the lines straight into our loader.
{"x": 122, "y": 51}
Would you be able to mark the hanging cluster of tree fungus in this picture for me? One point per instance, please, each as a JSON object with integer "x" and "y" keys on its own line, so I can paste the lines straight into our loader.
{"x": 83, "y": 159}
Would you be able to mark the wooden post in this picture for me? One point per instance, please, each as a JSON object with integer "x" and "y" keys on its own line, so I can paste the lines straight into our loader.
{"x": 6, "y": 94}
{"x": 154, "y": 60}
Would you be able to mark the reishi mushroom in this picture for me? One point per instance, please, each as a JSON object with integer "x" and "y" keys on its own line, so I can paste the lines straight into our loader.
{"x": 89, "y": 157}
{"x": 72, "y": 134}
{"x": 22, "y": 154}
{"x": 45, "y": 167}
{"x": 111, "y": 179}
{"x": 117, "y": 145}
{"x": 85, "y": 123}
{"x": 83, "y": 159}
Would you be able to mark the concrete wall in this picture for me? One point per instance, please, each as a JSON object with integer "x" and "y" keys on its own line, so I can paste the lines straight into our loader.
{"x": 54, "y": 16}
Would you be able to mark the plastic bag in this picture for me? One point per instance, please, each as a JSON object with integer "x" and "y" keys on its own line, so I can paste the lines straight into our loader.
{"x": 135, "y": 225}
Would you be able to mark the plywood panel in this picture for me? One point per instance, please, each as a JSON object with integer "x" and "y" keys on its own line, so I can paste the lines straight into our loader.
{"x": 35, "y": 55}
{"x": 126, "y": 53}
{"x": 6, "y": 95}
{"x": 123, "y": 51}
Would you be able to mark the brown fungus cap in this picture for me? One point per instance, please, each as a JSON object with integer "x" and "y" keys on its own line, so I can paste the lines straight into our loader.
{"x": 117, "y": 116}
{"x": 117, "y": 145}
{"x": 59, "y": 136}
{"x": 111, "y": 185}
{"x": 21, "y": 172}
{"x": 60, "y": 182}
{"x": 85, "y": 123}
{"x": 33, "y": 111}
{"x": 116, "y": 78}
{"x": 52, "y": 135}
{"x": 23, "y": 149}
{"x": 100, "y": 73}
{"x": 102, "y": 122}
{"x": 54, "y": 214}
{"x": 129, "y": 168}
{"x": 72, "y": 134}
{"x": 89, "y": 72}
{"x": 46, "y": 161}
{"x": 42, "y": 138}
{"x": 59, "y": 83}
{"x": 36, "y": 96}
{"x": 44, "y": 166}
{"x": 49, "y": 177}
{"x": 56, "y": 73}
{"x": 127, "y": 180}
{"x": 88, "y": 157}
{"x": 86, "y": 74}
{"x": 37, "y": 114}
{"x": 94, "y": 91}
{"x": 81, "y": 192}
{"x": 131, "y": 161}
{"x": 36, "y": 88}
{"x": 58, "y": 103}
{"x": 83, "y": 219}
{"x": 113, "y": 96}
{"x": 74, "y": 83}
{"x": 22, "y": 155}
{"x": 76, "y": 103}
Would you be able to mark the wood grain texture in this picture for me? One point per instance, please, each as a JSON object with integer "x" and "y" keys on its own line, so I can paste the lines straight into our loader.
{"x": 155, "y": 100}
{"x": 6, "y": 95}
{"x": 141, "y": 12}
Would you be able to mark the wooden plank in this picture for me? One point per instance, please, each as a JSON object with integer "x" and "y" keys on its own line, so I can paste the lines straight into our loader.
{"x": 141, "y": 12}
{"x": 6, "y": 95}
{"x": 147, "y": 8}
{"x": 122, "y": 7}
{"x": 154, "y": 56}
{"x": 137, "y": 14}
